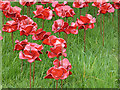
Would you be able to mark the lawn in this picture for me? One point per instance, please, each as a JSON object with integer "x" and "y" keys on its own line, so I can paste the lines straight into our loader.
{"x": 95, "y": 68}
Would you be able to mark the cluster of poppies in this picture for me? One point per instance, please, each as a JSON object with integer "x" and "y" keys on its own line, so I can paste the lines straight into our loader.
{"x": 26, "y": 26}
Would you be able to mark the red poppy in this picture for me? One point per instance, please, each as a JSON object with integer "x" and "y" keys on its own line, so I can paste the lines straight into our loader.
{"x": 40, "y": 34}
{"x": 46, "y": 1}
{"x": 4, "y": 5}
{"x": 56, "y": 4}
{"x": 96, "y": 4}
{"x": 27, "y": 2}
{"x": 80, "y": 4}
{"x": 10, "y": 26}
{"x": 57, "y": 73}
{"x": 27, "y": 26}
{"x": 57, "y": 51}
{"x": 12, "y": 12}
{"x": 48, "y": 40}
{"x": 116, "y": 4}
{"x": 1, "y": 36}
{"x": 31, "y": 52}
{"x": 105, "y": 7}
{"x": 65, "y": 63}
{"x": 20, "y": 45}
{"x": 59, "y": 26}
{"x": 71, "y": 29}
{"x": 43, "y": 13}
{"x": 64, "y": 11}
{"x": 85, "y": 22}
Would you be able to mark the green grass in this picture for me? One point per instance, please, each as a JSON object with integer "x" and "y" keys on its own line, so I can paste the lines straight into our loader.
{"x": 96, "y": 68}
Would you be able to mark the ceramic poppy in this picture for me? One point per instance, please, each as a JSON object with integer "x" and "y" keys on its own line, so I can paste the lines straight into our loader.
{"x": 10, "y": 26}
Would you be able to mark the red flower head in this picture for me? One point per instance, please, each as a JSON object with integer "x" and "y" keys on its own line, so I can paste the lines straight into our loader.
{"x": 105, "y": 7}
{"x": 59, "y": 26}
{"x": 27, "y": 26}
{"x": 48, "y": 41}
{"x": 46, "y": 1}
{"x": 56, "y": 4}
{"x": 12, "y": 12}
{"x": 20, "y": 45}
{"x": 72, "y": 29}
{"x": 10, "y": 26}
{"x": 96, "y": 4}
{"x": 43, "y": 13}
{"x": 1, "y": 36}
{"x": 64, "y": 11}
{"x": 54, "y": 41}
{"x": 85, "y": 22}
{"x": 27, "y": 2}
{"x": 40, "y": 34}
{"x": 31, "y": 52}
{"x": 65, "y": 63}
{"x": 57, "y": 73}
{"x": 57, "y": 51}
{"x": 80, "y": 4}
{"x": 116, "y": 4}
{"x": 4, "y": 5}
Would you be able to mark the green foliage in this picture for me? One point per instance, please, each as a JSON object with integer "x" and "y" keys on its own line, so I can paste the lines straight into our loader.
{"x": 96, "y": 68}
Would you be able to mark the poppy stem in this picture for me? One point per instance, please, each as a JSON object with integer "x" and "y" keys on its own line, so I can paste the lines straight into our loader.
{"x": 113, "y": 17}
{"x": 84, "y": 38}
{"x": 86, "y": 10}
{"x": 43, "y": 24}
{"x": 23, "y": 10}
{"x": 62, "y": 65}
{"x": 56, "y": 84}
{"x": 118, "y": 11}
{"x": 33, "y": 73}
{"x": 45, "y": 5}
{"x": 22, "y": 66}
{"x": 30, "y": 75}
{"x": 80, "y": 11}
{"x": 2, "y": 21}
{"x": 27, "y": 37}
{"x": 29, "y": 11}
{"x": 65, "y": 35}
{"x": 12, "y": 39}
{"x": 59, "y": 34}
{"x": 101, "y": 24}
{"x": 103, "y": 28}
{"x": 94, "y": 11}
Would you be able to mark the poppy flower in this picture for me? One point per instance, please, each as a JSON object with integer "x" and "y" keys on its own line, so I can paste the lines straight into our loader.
{"x": 43, "y": 13}
{"x": 56, "y": 4}
{"x": 30, "y": 52}
{"x": 116, "y": 4}
{"x": 65, "y": 63}
{"x": 80, "y": 4}
{"x": 71, "y": 29}
{"x": 27, "y": 26}
{"x": 20, "y": 45}
{"x": 10, "y": 26}
{"x": 27, "y": 2}
{"x": 105, "y": 7}
{"x": 57, "y": 73}
{"x": 85, "y": 22}
{"x": 46, "y": 1}
{"x": 12, "y": 12}
{"x": 1, "y": 36}
{"x": 59, "y": 26}
{"x": 48, "y": 40}
{"x": 40, "y": 34}
{"x": 56, "y": 51}
{"x": 4, "y": 5}
{"x": 64, "y": 11}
